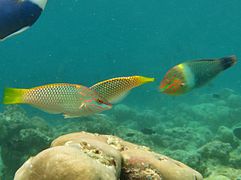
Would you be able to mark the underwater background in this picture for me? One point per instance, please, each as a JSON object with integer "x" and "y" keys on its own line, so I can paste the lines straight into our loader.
{"x": 84, "y": 42}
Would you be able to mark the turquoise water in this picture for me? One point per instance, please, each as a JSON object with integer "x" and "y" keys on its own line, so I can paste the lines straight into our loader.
{"x": 84, "y": 42}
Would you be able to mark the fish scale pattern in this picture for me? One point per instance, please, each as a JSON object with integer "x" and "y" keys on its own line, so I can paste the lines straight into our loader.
{"x": 53, "y": 94}
{"x": 69, "y": 99}
{"x": 115, "y": 88}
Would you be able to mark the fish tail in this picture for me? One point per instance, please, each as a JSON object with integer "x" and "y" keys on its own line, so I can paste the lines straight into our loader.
{"x": 143, "y": 80}
{"x": 13, "y": 96}
{"x": 229, "y": 61}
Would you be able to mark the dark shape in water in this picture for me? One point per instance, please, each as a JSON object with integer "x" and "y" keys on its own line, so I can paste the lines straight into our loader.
{"x": 148, "y": 131}
{"x": 18, "y": 15}
{"x": 216, "y": 96}
{"x": 237, "y": 132}
{"x": 130, "y": 134}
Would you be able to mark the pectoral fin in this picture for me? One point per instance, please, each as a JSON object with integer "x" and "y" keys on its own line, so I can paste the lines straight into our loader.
{"x": 68, "y": 116}
{"x": 15, "y": 33}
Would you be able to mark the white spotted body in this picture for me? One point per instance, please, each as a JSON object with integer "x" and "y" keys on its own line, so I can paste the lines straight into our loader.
{"x": 68, "y": 99}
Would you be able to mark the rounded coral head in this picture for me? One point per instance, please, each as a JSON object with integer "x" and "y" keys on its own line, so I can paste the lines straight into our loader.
{"x": 174, "y": 81}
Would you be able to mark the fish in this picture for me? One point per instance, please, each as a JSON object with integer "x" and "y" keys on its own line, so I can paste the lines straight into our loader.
{"x": 216, "y": 96}
{"x": 71, "y": 100}
{"x": 116, "y": 89}
{"x": 148, "y": 131}
{"x": 189, "y": 75}
{"x": 16, "y": 16}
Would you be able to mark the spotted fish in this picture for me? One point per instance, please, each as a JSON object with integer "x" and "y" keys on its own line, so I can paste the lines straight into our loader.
{"x": 71, "y": 100}
{"x": 115, "y": 89}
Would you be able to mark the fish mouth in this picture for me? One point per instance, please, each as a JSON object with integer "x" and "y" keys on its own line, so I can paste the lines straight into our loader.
{"x": 105, "y": 102}
{"x": 162, "y": 90}
{"x": 108, "y": 104}
{"x": 104, "y": 107}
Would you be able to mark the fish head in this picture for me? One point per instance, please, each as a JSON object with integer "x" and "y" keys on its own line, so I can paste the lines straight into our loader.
{"x": 94, "y": 103}
{"x": 101, "y": 103}
{"x": 173, "y": 82}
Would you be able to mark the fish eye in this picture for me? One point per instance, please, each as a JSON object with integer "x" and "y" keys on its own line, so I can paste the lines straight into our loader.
{"x": 168, "y": 81}
{"x": 100, "y": 101}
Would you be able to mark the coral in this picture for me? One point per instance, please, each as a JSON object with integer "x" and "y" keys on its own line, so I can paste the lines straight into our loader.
{"x": 196, "y": 130}
{"x": 1, "y": 164}
{"x": 223, "y": 173}
{"x": 225, "y": 135}
{"x": 217, "y": 177}
{"x": 140, "y": 164}
{"x": 92, "y": 156}
{"x": 235, "y": 158}
{"x": 234, "y": 101}
{"x": 235, "y": 116}
{"x": 216, "y": 150}
{"x": 148, "y": 118}
{"x": 227, "y": 111}
{"x": 133, "y": 136}
{"x": 191, "y": 158}
{"x": 135, "y": 118}
{"x": 20, "y": 138}
{"x": 123, "y": 113}
{"x": 135, "y": 156}
{"x": 65, "y": 162}
{"x": 182, "y": 138}
{"x": 210, "y": 113}
{"x": 205, "y": 111}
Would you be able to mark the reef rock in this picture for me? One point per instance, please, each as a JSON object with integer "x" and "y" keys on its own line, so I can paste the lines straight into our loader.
{"x": 92, "y": 156}
{"x": 140, "y": 164}
{"x": 61, "y": 163}
{"x": 223, "y": 173}
{"x": 21, "y": 137}
{"x": 216, "y": 150}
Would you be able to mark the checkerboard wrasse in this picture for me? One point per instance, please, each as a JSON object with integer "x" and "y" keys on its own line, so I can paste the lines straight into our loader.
{"x": 115, "y": 89}
{"x": 71, "y": 100}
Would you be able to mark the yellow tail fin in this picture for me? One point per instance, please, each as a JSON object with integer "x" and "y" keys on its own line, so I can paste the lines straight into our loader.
{"x": 13, "y": 96}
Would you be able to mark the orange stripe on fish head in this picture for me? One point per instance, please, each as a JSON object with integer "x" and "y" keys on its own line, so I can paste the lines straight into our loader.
{"x": 173, "y": 82}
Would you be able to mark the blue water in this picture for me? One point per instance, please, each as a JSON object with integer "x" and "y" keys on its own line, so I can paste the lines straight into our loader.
{"x": 84, "y": 42}
{"x": 88, "y": 41}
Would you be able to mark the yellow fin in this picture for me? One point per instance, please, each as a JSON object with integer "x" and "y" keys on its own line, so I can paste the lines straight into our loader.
{"x": 13, "y": 96}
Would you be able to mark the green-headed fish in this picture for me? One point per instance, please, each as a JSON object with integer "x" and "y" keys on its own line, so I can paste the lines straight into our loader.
{"x": 184, "y": 77}
{"x": 71, "y": 100}
{"x": 114, "y": 90}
